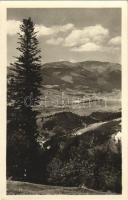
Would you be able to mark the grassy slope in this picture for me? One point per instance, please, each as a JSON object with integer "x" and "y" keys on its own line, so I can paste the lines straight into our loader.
{"x": 24, "y": 188}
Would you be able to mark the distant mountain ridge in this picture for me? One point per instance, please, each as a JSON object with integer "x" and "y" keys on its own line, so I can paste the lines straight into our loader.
{"x": 87, "y": 76}
{"x": 88, "y": 62}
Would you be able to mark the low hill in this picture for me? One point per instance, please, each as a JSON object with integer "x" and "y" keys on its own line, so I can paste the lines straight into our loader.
{"x": 92, "y": 158}
{"x": 65, "y": 120}
{"x": 101, "y": 117}
{"x": 64, "y": 123}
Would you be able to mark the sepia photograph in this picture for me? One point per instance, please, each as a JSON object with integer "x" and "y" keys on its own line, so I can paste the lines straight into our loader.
{"x": 64, "y": 101}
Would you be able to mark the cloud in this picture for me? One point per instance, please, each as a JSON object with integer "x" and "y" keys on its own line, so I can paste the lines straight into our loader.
{"x": 53, "y": 30}
{"x": 115, "y": 41}
{"x": 92, "y": 34}
{"x": 13, "y": 27}
{"x": 55, "y": 41}
{"x": 66, "y": 27}
{"x": 87, "y": 39}
{"x": 87, "y": 47}
{"x": 44, "y": 30}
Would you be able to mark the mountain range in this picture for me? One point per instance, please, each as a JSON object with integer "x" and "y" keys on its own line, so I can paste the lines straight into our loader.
{"x": 82, "y": 149}
{"x": 94, "y": 76}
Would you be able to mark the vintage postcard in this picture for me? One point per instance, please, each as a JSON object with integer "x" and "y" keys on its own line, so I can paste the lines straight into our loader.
{"x": 64, "y": 79}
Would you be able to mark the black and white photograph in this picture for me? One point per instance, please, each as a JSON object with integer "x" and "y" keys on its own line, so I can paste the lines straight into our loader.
{"x": 64, "y": 101}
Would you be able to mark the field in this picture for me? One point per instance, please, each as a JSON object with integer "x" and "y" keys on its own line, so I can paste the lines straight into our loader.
{"x": 24, "y": 188}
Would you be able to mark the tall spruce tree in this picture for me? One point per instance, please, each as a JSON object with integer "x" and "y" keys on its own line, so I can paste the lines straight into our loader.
{"x": 24, "y": 82}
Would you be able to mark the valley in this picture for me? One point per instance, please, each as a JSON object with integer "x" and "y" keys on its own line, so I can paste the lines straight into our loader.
{"x": 79, "y": 123}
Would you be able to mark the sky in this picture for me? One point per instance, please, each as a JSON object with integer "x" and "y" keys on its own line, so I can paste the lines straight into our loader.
{"x": 70, "y": 34}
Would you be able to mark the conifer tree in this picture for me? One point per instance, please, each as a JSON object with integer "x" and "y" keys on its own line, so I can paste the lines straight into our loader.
{"x": 24, "y": 82}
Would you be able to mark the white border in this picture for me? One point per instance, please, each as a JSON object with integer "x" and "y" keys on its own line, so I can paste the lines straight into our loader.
{"x": 3, "y": 60}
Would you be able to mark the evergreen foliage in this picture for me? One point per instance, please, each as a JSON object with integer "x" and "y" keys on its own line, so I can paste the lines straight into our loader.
{"x": 24, "y": 81}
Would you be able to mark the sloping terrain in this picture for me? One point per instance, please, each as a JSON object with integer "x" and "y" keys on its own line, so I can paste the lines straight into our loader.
{"x": 72, "y": 87}
{"x": 24, "y": 188}
{"x": 101, "y": 117}
{"x": 92, "y": 158}
{"x": 62, "y": 123}
{"x": 75, "y": 162}
{"x": 78, "y": 151}
{"x": 65, "y": 123}
{"x": 89, "y": 75}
